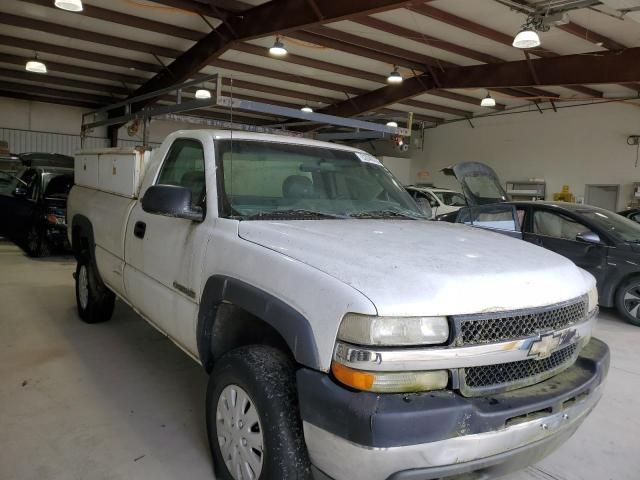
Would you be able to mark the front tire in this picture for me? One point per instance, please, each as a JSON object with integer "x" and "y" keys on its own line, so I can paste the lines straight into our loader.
{"x": 253, "y": 422}
{"x": 94, "y": 301}
{"x": 628, "y": 301}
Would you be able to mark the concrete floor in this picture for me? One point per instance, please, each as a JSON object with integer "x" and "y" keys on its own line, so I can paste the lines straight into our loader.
{"x": 120, "y": 401}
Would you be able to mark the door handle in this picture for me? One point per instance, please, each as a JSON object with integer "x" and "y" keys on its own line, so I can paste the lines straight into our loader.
{"x": 139, "y": 229}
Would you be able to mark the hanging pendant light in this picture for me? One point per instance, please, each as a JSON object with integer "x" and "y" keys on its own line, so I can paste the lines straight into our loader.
{"x": 278, "y": 49}
{"x": 392, "y": 124}
{"x": 307, "y": 108}
{"x": 394, "y": 77}
{"x": 35, "y": 65}
{"x": 69, "y": 5}
{"x": 203, "y": 94}
{"x": 488, "y": 101}
{"x": 527, "y": 38}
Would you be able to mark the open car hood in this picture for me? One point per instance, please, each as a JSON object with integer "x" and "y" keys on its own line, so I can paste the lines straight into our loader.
{"x": 480, "y": 184}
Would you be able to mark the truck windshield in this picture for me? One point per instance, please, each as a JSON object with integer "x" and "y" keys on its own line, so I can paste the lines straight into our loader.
{"x": 268, "y": 180}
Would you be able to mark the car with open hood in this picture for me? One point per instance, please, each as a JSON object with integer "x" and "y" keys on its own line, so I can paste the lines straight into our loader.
{"x": 602, "y": 242}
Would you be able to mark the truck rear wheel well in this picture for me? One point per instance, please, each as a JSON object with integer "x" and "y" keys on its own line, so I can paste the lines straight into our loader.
{"x": 81, "y": 236}
{"x": 234, "y": 327}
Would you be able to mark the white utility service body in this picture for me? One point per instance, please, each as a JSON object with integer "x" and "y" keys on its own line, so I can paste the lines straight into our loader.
{"x": 320, "y": 271}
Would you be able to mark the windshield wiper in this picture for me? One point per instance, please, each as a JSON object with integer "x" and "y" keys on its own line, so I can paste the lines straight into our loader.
{"x": 386, "y": 214}
{"x": 293, "y": 214}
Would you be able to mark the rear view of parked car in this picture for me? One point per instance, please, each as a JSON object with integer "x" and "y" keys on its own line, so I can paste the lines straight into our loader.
{"x": 33, "y": 207}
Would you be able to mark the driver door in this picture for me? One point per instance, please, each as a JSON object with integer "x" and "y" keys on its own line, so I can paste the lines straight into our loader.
{"x": 164, "y": 255}
{"x": 557, "y": 232}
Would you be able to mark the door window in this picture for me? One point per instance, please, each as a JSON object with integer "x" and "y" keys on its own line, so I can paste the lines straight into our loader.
{"x": 184, "y": 167}
{"x": 555, "y": 225}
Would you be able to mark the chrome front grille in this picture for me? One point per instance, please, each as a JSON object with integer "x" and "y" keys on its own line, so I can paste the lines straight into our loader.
{"x": 495, "y": 327}
{"x": 489, "y": 379}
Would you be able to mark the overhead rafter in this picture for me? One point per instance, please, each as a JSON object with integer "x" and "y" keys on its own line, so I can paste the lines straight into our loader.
{"x": 75, "y": 70}
{"x": 32, "y": 97}
{"x": 429, "y": 40}
{"x": 115, "y": 16}
{"x": 567, "y": 70}
{"x": 403, "y": 32}
{"x": 211, "y": 8}
{"x": 363, "y": 47}
{"x": 57, "y": 93}
{"x": 251, "y": 24}
{"x": 486, "y": 32}
{"x": 48, "y": 47}
{"x": 86, "y": 35}
{"x": 105, "y": 39}
{"x": 348, "y": 71}
{"x": 597, "y": 39}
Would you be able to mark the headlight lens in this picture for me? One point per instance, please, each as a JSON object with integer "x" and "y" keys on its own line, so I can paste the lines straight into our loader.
{"x": 390, "y": 382}
{"x": 593, "y": 299}
{"x": 393, "y": 331}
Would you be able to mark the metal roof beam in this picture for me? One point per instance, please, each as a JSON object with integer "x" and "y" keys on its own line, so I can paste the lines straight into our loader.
{"x": 567, "y": 70}
{"x": 252, "y": 24}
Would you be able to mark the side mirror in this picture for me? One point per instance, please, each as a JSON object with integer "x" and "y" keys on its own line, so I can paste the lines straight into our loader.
{"x": 20, "y": 191}
{"x": 588, "y": 237}
{"x": 424, "y": 207}
{"x": 171, "y": 201}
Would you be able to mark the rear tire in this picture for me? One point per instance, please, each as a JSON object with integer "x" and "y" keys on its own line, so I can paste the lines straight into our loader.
{"x": 628, "y": 301}
{"x": 95, "y": 301}
{"x": 37, "y": 243}
{"x": 260, "y": 436}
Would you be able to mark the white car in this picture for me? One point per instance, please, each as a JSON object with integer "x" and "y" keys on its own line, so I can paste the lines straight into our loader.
{"x": 441, "y": 200}
{"x": 345, "y": 335}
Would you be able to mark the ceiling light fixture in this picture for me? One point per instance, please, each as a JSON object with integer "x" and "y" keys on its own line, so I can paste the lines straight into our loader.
{"x": 69, "y": 5}
{"x": 392, "y": 124}
{"x": 35, "y": 65}
{"x": 488, "y": 101}
{"x": 307, "y": 108}
{"x": 278, "y": 49}
{"x": 394, "y": 77}
{"x": 203, "y": 94}
{"x": 528, "y": 36}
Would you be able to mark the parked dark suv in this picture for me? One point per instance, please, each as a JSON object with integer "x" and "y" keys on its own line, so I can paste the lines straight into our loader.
{"x": 33, "y": 206}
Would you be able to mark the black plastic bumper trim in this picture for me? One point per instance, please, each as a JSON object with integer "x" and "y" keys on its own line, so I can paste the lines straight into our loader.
{"x": 388, "y": 420}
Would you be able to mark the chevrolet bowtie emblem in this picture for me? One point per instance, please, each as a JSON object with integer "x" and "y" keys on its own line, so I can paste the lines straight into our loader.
{"x": 548, "y": 343}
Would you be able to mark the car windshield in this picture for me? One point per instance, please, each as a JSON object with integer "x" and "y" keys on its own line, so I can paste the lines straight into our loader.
{"x": 283, "y": 181}
{"x": 619, "y": 227}
{"x": 452, "y": 199}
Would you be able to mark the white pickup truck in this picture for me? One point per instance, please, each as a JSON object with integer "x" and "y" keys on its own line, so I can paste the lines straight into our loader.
{"x": 345, "y": 335}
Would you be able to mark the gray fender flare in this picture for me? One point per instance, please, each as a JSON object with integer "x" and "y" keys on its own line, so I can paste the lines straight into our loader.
{"x": 292, "y": 326}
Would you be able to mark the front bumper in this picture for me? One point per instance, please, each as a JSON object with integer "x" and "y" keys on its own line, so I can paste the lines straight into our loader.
{"x": 442, "y": 434}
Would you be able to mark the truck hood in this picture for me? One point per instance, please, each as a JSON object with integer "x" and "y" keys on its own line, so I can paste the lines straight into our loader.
{"x": 416, "y": 268}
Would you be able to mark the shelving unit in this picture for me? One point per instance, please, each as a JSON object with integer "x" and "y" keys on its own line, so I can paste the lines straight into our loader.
{"x": 527, "y": 190}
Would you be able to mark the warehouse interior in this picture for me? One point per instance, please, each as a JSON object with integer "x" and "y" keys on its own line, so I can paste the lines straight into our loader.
{"x": 546, "y": 93}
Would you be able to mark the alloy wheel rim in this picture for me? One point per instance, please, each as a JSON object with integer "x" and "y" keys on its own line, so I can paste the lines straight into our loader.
{"x": 83, "y": 287}
{"x": 632, "y": 301}
{"x": 240, "y": 434}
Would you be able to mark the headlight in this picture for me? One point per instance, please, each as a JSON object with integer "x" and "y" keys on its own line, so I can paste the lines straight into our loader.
{"x": 593, "y": 299}
{"x": 393, "y": 331}
{"x": 390, "y": 382}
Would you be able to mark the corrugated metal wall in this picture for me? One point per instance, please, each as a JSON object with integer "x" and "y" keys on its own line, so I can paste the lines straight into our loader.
{"x": 21, "y": 141}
